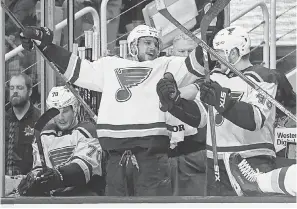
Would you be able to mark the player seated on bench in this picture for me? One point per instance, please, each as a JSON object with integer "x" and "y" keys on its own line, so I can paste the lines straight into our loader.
{"x": 72, "y": 154}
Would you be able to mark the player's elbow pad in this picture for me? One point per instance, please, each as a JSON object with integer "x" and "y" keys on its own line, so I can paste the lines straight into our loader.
{"x": 188, "y": 112}
{"x": 246, "y": 116}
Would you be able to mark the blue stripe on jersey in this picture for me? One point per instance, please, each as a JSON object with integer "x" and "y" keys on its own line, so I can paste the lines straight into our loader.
{"x": 49, "y": 134}
{"x": 57, "y": 162}
{"x": 59, "y": 156}
{"x": 191, "y": 69}
{"x": 262, "y": 117}
{"x": 61, "y": 150}
{"x": 281, "y": 180}
{"x": 195, "y": 57}
{"x": 243, "y": 147}
{"x": 83, "y": 133}
{"x": 132, "y": 126}
{"x": 254, "y": 76}
{"x": 76, "y": 71}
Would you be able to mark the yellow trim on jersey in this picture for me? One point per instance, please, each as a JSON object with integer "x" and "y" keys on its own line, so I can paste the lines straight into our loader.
{"x": 48, "y": 132}
{"x": 71, "y": 67}
{"x": 195, "y": 64}
{"x": 85, "y": 131}
{"x": 254, "y": 74}
{"x": 84, "y": 167}
{"x": 257, "y": 117}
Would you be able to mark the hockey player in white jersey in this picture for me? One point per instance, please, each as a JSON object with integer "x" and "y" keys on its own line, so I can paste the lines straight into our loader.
{"x": 244, "y": 119}
{"x": 252, "y": 182}
{"x": 72, "y": 153}
{"x": 130, "y": 122}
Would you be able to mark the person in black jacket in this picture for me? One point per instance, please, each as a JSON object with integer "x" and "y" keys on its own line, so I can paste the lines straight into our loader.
{"x": 20, "y": 120}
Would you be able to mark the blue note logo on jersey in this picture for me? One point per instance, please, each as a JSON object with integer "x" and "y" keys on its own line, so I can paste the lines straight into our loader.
{"x": 128, "y": 78}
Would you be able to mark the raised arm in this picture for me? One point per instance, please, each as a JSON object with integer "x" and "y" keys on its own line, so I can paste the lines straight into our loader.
{"x": 82, "y": 73}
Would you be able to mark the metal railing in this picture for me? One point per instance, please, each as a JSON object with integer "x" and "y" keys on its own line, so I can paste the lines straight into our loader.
{"x": 104, "y": 22}
{"x": 63, "y": 24}
{"x": 265, "y": 42}
{"x": 273, "y": 34}
{"x": 59, "y": 27}
{"x": 103, "y": 27}
{"x": 273, "y": 38}
{"x": 265, "y": 21}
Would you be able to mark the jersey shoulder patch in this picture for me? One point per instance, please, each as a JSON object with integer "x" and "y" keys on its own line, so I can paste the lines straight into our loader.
{"x": 88, "y": 129}
{"x": 261, "y": 74}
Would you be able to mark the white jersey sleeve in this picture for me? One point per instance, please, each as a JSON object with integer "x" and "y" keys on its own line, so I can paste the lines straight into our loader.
{"x": 88, "y": 155}
{"x": 187, "y": 70}
{"x": 86, "y": 74}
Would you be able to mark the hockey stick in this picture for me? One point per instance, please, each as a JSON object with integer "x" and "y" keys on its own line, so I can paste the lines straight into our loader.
{"x": 51, "y": 64}
{"x": 39, "y": 125}
{"x": 161, "y": 7}
{"x": 213, "y": 12}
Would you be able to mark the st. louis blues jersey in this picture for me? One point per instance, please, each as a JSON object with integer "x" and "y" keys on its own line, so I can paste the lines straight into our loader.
{"x": 232, "y": 138}
{"x": 178, "y": 130}
{"x": 78, "y": 145}
{"x": 130, "y": 105}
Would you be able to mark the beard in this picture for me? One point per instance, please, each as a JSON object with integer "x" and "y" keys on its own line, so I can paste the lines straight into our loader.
{"x": 19, "y": 101}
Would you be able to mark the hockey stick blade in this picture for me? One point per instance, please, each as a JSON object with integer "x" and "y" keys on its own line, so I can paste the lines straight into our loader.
{"x": 165, "y": 13}
{"x": 51, "y": 64}
{"x": 45, "y": 118}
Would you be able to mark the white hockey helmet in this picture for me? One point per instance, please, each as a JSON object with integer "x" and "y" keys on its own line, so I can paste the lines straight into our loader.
{"x": 60, "y": 97}
{"x": 230, "y": 38}
{"x": 142, "y": 31}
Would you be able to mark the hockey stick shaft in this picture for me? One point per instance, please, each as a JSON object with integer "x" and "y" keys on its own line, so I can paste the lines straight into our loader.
{"x": 39, "y": 125}
{"x": 51, "y": 64}
{"x": 40, "y": 148}
{"x": 164, "y": 12}
{"x": 213, "y": 12}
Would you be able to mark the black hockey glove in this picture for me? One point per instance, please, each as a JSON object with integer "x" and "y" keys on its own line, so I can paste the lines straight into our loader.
{"x": 49, "y": 179}
{"x": 168, "y": 92}
{"x": 215, "y": 95}
{"x": 41, "y": 34}
{"x": 28, "y": 185}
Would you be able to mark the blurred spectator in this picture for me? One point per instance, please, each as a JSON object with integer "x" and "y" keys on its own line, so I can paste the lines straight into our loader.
{"x": 133, "y": 17}
{"x": 188, "y": 171}
{"x": 20, "y": 120}
{"x": 24, "y": 11}
{"x": 183, "y": 45}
